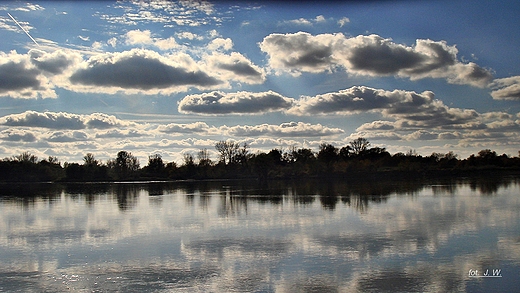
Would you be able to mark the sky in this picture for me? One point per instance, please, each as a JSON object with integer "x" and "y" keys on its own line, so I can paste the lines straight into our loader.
{"x": 175, "y": 77}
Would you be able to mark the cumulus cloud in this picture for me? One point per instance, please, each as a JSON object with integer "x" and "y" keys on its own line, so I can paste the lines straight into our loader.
{"x": 422, "y": 135}
{"x": 220, "y": 43}
{"x": 376, "y": 125}
{"x": 506, "y": 88}
{"x": 61, "y": 120}
{"x": 138, "y": 71}
{"x": 411, "y": 108}
{"x": 189, "y": 36}
{"x": 217, "y": 102}
{"x": 122, "y": 133}
{"x": 134, "y": 37}
{"x": 67, "y": 136}
{"x": 236, "y": 67}
{"x": 138, "y": 37}
{"x": 166, "y": 44}
{"x": 290, "y": 129}
{"x": 301, "y": 51}
{"x": 141, "y": 70}
{"x": 20, "y": 135}
{"x": 56, "y": 62}
{"x": 51, "y": 120}
{"x": 370, "y": 55}
{"x": 19, "y": 78}
{"x": 35, "y": 74}
{"x": 177, "y": 128}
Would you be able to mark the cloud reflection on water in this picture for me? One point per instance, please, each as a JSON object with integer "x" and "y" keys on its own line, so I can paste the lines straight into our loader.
{"x": 282, "y": 237}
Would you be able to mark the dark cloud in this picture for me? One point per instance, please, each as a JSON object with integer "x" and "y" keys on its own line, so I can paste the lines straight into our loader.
{"x": 360, "y": 99}
{"x": 370, "y": 55}
{"x": 63, "y": 120}
{"x": 241, "y": 69}
{"x": 47, "y": 120}
{"x": 73, "y": 136}
{"x": 235, "y": 67}
{"x": 506, "y": 88}
{"x": 382, "y": 59}
{"x": 234, "y": 103}
{"x": 16, "y": 76}
{"x": 410, "y": 108}
{"x": 290, "y": 129}
{"x": 139, "y": 69}
{"x": 197, "y": 127}
{"x": 103, "y": 121}
{"x": 55, "y": 62}
{"x": 117, "y": 133}
{"x": 300, "y": 51}
{"x": 377, "y": 125}
{"x": 17, "y": 135}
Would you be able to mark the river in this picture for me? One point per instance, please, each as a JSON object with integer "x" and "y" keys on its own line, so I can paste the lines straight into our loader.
{"x": 450, "y": 235}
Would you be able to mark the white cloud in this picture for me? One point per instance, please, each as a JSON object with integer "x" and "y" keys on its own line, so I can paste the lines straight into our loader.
{"x": 220, "y": 43}
{"x": 189, "y": 36}
{"x": 299, "y": 21}
{"x": 168, "y": 13}
{"x": 343, "y": 21}
{"x": 134, "y": 37}
{"x": 97, "y": 46}
{"x": 112, "y": 42}
{"x": 166, "y": 44}
{"x": 320, "y": 18}
{"x": 305, "y": 22}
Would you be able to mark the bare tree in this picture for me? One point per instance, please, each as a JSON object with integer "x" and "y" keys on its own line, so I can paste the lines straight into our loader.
{"x": 203, "y": 158}
{"x": 359, "y": 145}
{"x": 90, "y": 160}
{"x": 227, "y": 150}
{"x": 26, "y": 157}
{"x": 189, "y": 160}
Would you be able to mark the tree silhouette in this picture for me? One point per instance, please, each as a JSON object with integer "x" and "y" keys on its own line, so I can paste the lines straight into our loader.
{"x": 203, "y": 158}
{"x": 90, "y": 160}
{"x": 125, "y": 165}
{"x": 359, "y": 145}
{"x": 227, "y": 150}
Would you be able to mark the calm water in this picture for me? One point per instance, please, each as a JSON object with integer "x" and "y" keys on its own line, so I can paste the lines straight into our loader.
{"x": 438, "y": 236}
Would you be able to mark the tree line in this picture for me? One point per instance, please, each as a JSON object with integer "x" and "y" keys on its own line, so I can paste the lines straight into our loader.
{"x": 236, "y": 160}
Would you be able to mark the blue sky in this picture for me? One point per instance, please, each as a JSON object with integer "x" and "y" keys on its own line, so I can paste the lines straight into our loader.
{"x": 175, "y": 77}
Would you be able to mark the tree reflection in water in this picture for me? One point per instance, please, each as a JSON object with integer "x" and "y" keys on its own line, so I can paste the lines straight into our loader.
{"x": 275, "y": 236}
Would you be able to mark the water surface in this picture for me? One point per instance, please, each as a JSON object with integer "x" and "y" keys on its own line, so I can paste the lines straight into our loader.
{"x": 436, "y": 236}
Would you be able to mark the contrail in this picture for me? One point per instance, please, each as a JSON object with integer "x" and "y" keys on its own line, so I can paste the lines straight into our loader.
{"x": 25, "y": 31}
